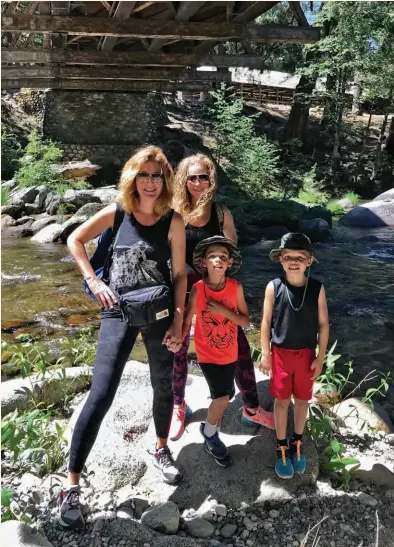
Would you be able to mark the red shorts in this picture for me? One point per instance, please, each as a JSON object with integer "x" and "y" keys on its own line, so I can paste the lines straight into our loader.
{"x": 291, "y": 373}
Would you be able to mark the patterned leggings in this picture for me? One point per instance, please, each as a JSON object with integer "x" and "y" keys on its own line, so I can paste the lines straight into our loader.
{"x": 244, "y": 373}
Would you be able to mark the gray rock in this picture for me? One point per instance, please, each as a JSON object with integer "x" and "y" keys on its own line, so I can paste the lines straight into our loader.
{"x": 31, "y": 208}
{"x": 228, "y": 530}
{"x": 7, "y": 221}
{"x": 272, "y": 233}
{"x": 274, "y": 513}
{"x": 366, "y": 499}
{"x": 357, "y": 415}
{"x": 89, "y": 209}
{"x": 23, "y": 230}
{"x": 130, "y": 530}
{"x": 163, "y": 518}
{"x": 248, "y": 523}
{"x": 18, "y": 534}
{"x": 106, "y": 195}
{"x": 23, "y": 220}
{"x": 125, "y": 513}
{"x": 375, "y": 214}
{"x": 78, "y": 169}
{"x": 15, "y": 210}
{"x": 317, "y": 211}
{"x": 41, "y": 197}
{"x": 9, "y": 184}
{"x": 26, "y": 195}
{"x": 29, "y": 482}
{"x": 40, "y": 223}
{"x": 98, "y": 525}
{"x": 140, "y": 505}
{"x": 389, "y": 194}
{"x": 70, "y": 225}
{"x": 200, "y": 528}
{"x": 221, "y": 510}
{"x": 48, "y": 234}
{"x": 207, "y": 509}
{"x": 368, "y": 470}
{"x": 317, "y": 229}
{"x": 346, "y": 204}
{"x": 80, "y": 197}
{"x": 113, "y": 462}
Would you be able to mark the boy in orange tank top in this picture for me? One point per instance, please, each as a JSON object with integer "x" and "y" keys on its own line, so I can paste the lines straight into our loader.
{"x": 219, "y": 303}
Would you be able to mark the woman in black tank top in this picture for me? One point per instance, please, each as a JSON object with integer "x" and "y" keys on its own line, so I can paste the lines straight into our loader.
{"x": 149, "y": 251}
{"x": 194, "y": 199}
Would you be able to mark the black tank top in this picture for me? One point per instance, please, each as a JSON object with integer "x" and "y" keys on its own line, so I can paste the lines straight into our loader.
{"x": 196, "y": 234}
{"x": 295, "y": 329}
{"x": 142, "y": 254}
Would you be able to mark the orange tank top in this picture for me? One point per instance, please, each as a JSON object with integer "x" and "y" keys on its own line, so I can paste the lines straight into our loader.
{"x": 215, "y": 336}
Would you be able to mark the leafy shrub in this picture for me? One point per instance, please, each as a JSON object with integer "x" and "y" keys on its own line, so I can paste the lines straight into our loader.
{"x": 354, "y": 198}
{"x": 336, "y": 209}
{"x": 11, "y": 151}
{"x": 4, "y": 196}
{"x": 311, "y": 191}
{"x": 38, "y": 166}
{"x": 36, "y": 443}
{"x": 252, "y": 161}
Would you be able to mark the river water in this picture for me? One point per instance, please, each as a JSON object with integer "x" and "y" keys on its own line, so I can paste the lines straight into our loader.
{"x": 42, "y": 294}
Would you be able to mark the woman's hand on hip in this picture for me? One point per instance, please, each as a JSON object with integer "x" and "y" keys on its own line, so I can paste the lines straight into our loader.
{"x": 105, "y": 297}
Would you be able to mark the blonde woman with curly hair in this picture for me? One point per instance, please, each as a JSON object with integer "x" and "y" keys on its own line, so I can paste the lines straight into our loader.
{"x": 194, "y": 198}
{"x": 149, "y": 244}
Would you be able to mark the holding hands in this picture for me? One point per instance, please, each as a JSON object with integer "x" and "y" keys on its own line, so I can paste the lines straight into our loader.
{"x": 266, "y": 363}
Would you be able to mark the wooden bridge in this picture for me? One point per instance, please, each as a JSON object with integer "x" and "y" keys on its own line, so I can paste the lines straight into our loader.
{"x": 135, "y": 46}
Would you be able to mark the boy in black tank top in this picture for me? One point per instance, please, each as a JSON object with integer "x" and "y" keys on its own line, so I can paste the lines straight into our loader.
{"x": 295, "y": 319}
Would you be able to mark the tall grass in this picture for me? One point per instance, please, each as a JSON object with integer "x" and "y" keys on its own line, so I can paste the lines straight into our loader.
{"x": 4, "y": 196}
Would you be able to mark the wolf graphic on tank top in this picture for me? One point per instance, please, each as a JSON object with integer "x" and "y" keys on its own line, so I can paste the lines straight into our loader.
{"x": 133, "y": 268}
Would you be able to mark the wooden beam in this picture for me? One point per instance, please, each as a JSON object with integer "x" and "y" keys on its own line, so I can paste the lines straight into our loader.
{"x": 93, "y": 26}
{"x": 122, "y": 11}
{"x": 93, "y": 57}
{"x": 111, "y": 73}
{"x": 103, "y": 85}
{"x": 186, "y": 10}
{"x": 299, "y": 14}
{"x": 248, "y": 14}
{"x": 60, "y": 8}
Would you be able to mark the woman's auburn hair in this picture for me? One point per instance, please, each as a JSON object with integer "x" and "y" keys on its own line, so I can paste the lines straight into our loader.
{"x": 128, "y": 196}
{"x": 182, "y": 202}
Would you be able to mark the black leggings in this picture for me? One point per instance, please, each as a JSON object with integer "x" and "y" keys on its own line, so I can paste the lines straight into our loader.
{"x": 116, "y": 340}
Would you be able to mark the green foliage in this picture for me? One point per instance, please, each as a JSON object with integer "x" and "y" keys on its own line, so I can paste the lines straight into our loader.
{"x": 4, "y": 196}
{"x": 38, "y": 166}
{"x": 354, "y": 198}
{"x": 36, "y": 442}
{"x": 80, "y": 352}
{"x": 336, "y": 209}
{"x": 252, "y": 161}
{"x": 312, "y": 191}
{"x": 6, "y": 497}
{"x": 11, "y": 151}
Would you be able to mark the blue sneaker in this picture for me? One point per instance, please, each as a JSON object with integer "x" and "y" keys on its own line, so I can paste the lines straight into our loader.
{"x": 213, "y": 445}
{"x": 298, "y": 459}
{"x": 283, "y": 466}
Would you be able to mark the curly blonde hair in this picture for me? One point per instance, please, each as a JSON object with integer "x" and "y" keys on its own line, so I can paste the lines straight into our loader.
{"x": 128, "y": 196}
{"x": 182, "y": 201}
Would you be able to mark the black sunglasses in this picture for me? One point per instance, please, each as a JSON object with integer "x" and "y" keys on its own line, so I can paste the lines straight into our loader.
{"x": 202, "y": 178}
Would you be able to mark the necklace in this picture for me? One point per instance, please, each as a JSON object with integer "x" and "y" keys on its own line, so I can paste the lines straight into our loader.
{"x": 303, "y": 298}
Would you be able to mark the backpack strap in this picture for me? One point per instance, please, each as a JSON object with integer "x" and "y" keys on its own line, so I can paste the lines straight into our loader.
{"x": 220, "y": 214}
{"x": 118, "y": 219}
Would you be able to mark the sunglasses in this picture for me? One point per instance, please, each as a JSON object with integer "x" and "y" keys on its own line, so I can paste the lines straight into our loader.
{"x": 300, "y": 259}
{"x": 156, "y": 178}
{"x": 198, "y": 178}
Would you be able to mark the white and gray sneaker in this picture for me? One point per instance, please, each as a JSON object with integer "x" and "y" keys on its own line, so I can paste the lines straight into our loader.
{"x": 164, "y": 461}
{"x": 70, "y": 513}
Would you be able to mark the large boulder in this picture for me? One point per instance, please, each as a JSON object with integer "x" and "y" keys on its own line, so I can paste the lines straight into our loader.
{"x": 23, "y": 230}
{"x": 70, "y": 225}
{"x": 41, "y": 197}
{"x": 7, "y": 221}
{"x": 114, "y": 460}
{"x": 77, "y": 169}
{"x": 19, "y": 534}
{"x": 89, "y": 210}
{"x": 358, "y": 416}
{"x": 31, "y": 209}
{"x": 48, "y": 234}
{"x": 375, "y": 214}
{"x": 16, "y": 393}
{"x": 40, "y": 223}
{"x": 389, "y": 194}
{"x": 78, "y": 198}
{"x": 317, "y": 229}
{"x": 163, "y": 518}
{"x": 317, "y": 211}
{"x": 107, "y": 194}
{"x": 9, "y": 184}
{"x": 58, "y": 206}
{"x": 26, "y": 195}
{"x": 15, "y": 210}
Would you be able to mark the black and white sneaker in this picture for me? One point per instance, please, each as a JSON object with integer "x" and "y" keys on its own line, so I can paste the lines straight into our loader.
{"x": 164, "y": 461}
{"x": 70, "y": 514}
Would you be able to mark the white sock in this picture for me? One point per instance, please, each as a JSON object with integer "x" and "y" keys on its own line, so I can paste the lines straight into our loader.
{"x": 209, "y": 430}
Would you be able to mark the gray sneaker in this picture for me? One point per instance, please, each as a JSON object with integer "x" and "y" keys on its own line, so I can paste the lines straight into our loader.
{"x": 164, "y": 461}
{"x": 70, "y": 514}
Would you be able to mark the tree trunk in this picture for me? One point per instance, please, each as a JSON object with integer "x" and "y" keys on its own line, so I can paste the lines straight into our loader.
{"x": 356, "y": 109}
{"x": 330, "y": 105}
{"x": 361, "y": 156}
{"x": 381, "y": 141}
{"x": 299, "y": 114}
{"x": 390, "y": 139}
